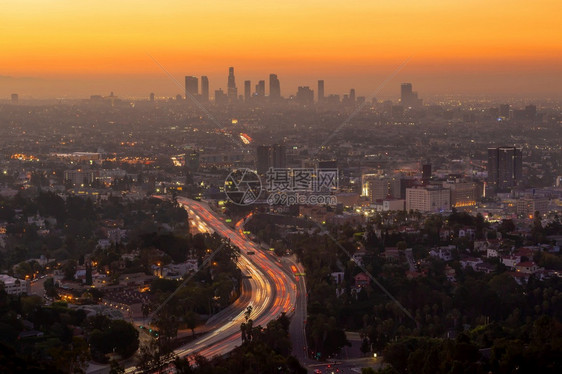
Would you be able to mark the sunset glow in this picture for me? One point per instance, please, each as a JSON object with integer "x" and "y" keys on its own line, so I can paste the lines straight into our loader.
{"x": 78, "y": 47}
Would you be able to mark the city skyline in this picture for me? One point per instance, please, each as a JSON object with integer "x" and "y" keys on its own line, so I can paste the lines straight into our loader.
{"x": 281, "y": 187}
{"x": 60, "y": 50}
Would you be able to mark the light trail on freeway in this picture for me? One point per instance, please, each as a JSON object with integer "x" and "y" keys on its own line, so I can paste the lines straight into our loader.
{"x": 272, "y": 289}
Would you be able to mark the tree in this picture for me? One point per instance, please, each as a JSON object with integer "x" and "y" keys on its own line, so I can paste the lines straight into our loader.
{"x": 537, "y": 231}
{"x": 73, "y": 358}
{"x": 49, "y": 286}
{"x": 124, "y": 338}
{"x": 69, "y": 269}
{"x": 89, "y": 275}
{"x": 191, "y": 320}
{"x": 116, "y": 336}
{"x": 365, "y": 346}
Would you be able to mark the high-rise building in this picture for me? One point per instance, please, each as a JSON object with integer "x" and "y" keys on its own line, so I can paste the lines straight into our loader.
{"x": 320, "y": 91}
{"x": 273, "y": 156}
{"x": 464, "y": 194}
{"x": 409, "y": 98}
{"x": 247, "y": 90}
{"x": 352, "y": 95}
{"x": 262, "y": 159}
{"x": 406, "y": 182}
{"x": 260, "y": 89}
{"x": 379, "y": 187}
{"x": 274, "y": 88}
{"x": 278, "y": 156}
{"x": 305, "y": 95}
{"x": 15, "y": 98}
{"x": 191, "y": 86}
{"x": 220, "y": 97}
{"x": 232, "y": 91}
{"x": 527, "y": 206}
{"x": 426, "y": 173}
{"x": 192, "y": 161}
{"x": 204, "y": 88}
{"x": 152, "y": 96}
{"x": 428, "y": 199}
{"x": 505, "y": 166}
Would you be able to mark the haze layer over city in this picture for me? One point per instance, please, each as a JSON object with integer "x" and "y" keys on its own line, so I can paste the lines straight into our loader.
{"x": 294, "y": 187}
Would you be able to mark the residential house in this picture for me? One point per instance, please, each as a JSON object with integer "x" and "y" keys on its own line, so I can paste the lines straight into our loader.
{"x": 527, "y": 267}
{"x": 485, "y": 267}
{"x": 361, "y": 280}
{"x": 470, "y": 262}
{"x": 337, "y": 276}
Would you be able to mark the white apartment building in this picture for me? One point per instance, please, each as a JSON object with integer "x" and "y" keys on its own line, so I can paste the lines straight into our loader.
{"x": 428, "y": 199}
{"x": 14, "y": 286}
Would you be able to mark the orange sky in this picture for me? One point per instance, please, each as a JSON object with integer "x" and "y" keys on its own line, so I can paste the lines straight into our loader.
{"x": 77, "y": 48}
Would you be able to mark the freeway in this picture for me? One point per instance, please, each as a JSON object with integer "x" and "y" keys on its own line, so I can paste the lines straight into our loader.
{"x": 272, "y": 289}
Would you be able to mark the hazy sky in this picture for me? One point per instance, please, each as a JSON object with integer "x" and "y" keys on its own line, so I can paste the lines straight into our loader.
{"x": 66, "y": 48}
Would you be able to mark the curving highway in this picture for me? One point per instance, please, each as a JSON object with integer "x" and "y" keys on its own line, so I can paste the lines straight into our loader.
{"x": 272, "y": 290}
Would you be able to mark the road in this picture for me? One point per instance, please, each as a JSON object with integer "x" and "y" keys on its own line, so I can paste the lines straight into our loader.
{"x": 298, "y": 320}
{"x": 272, "y": 290}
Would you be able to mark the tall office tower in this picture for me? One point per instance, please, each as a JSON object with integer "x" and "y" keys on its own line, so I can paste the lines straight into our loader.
{"x": 405, "y": 183}
{"x": 405, "y": 92}
{"x": 260, "y": 89}
{"x": 247, "y": 90}
{"x": 352, "y": 95}
{"x": 220, "y": 97}
{"x": 232, "y": 91}
{"x": 15, "y": 98}
{"x": 262, "y": 159}
{"x": 278, "y": 156}
{"x": 205, "y": 88}
{"x": 305, "y": 95}
{"x": 409, "y": 98}
{"x": 320, "y": 91}
{"x": 274, "y": 88}
{"x": 426, "y": 173}
{"x": 192, "y": 161}
{"x": 191, "y": 86}
{"x": 152, "y": 96}
{"x": 505, "y": 166}
{"x": 274, "y": 156}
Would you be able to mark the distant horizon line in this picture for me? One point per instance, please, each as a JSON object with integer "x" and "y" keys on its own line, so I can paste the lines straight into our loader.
{"x": 381, "y": 98}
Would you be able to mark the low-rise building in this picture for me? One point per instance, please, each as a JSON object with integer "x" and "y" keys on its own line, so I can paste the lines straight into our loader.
{"x": 14, "y": 286}
{"x": 470, "y": 262}
{"x": 361, "y": 280}
{"x": 511, "y": 261}
{"x": 527, "y": 267}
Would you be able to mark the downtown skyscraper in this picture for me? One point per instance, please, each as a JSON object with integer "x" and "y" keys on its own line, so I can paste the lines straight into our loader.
{"x": 232, "y": 92}
{"x": 274, "y": 88}
{"x": 205, "y": 88}
{"x": 191, "y": 86}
